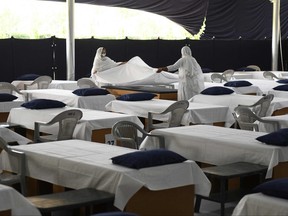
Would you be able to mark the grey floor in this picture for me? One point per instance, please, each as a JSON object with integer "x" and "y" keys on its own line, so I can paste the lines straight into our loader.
{"x": 209, "y": 208}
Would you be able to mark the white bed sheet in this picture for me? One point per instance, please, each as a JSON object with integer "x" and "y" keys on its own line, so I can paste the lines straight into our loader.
{"x": 91, "y": 120}
{"x": 282, "y": 119}
{"x": 233, "y": 100}
{"x": 219, "y": 145}
{"x": 8, "y": 105}
{"x": 198, "y": 113}
{"x": 19, "y": 205}
{"x": 66, "y": 96}
{"x": 55, "y": 84}
{"x": 79, "y": 164}
{"x": 259, "y": 204}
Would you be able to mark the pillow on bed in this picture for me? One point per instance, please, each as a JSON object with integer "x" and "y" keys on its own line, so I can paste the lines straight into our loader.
{"x": 7, "y": 97}
{"x": 278, "y": 138}
{"x": 149, "y": 158}
{"x": 277, "y": 188}
{"x": 43, "y": 104}
{"x": 28, "y": 77}
{"x": 282, "y": 81}
{"x": 245, "y": 69}
{"x": 281, "y": 88}
{"x": 238, "y": 83}
{"x": 217, "y": 90}
{"x": 90, "y": 91}
{"x": 136, "y": 96}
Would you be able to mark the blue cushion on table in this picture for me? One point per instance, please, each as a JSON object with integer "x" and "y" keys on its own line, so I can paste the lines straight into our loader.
{"x": 281, "y": 88}
{"x": 43, "y": 104}
{"x": 245, "y": 69}
{"x": 206, "y": 70}
{"x": 149, "y": 158}
{"x": 278, "y": 138}
{"x": 217, "y": 90}
{"x": 90, "y": 91}
{"x": 238, "y": 83}
{"x": 136, "y": 96}
{"x": 7, "y": 97}
{"x": 277, "y": 188}
{"x": 282, "y": 81}
{"x": 28, "y": 77}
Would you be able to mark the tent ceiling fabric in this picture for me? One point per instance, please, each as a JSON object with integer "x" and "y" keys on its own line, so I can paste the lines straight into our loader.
{"x": 225, "y": 19}
{"x": 189, "y": 14}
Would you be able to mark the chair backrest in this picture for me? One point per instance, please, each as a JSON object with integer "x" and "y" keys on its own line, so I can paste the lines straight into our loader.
{"x": 128, "y": 134}
{"x": 228, "y": 74}
{"x": 246, "y": 119}
{"x": 261, "y": 106}
{"x": 6, "y": 87}
{"x": 218, "y": 78}
{"x": 42, "y": 82}
{"x": 255, "y": 67}
{"x": 19, "y": 177}
{"x": 67, "y": 121}
{"x": 86, "y": 83}
{"x": 269, "y": 75}
{"x": 175, "y": 111}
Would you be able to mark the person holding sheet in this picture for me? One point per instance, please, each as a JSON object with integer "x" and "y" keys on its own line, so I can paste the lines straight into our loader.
{"x": 191, "y": 79}
{"x": 102, "y": 62}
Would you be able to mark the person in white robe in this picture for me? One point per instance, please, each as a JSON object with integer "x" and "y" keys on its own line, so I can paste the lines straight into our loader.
{"x": 102, "y": 62}
{"x": 191, "y": 78}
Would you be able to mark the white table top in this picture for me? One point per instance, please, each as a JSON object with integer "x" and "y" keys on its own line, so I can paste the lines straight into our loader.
{"x": 91, "y": 120}
{"x": 66, "y": 96}
{"x": 198, "y": 113}
{"x": 233, "y": 100}
{"x": 79, "y": 164}
{"x": 261, "y": 205}
{"x": 219, "y": 145}
{"x": 55, "y": 84}
{"x": 19, "y": 205}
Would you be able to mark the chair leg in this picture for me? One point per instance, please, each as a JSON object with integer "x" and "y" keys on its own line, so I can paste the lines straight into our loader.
{"x": 197, "y": 204}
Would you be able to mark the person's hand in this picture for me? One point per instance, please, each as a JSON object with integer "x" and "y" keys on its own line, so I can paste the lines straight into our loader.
{"x": 159, "y": 70}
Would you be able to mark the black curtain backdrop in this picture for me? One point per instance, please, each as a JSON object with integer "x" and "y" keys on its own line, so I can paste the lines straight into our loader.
{"x": 48, "y": 56}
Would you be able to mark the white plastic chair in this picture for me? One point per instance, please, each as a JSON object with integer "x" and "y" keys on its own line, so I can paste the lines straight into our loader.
{"x": 246, "y": 119}
{"x": 175, "y": 111}
{"x": 86, "y": 83}
{"x": 67, "y": 121}
{"x": 255, "y": 67}
{"x": 270, "y": 75}
{"x": 130, "y": 135}
{"x": 261, "y": 106}
{"x": 8, "y": 178}
{"x": 42, "y": 82}
{"x": 218, "y": 78}
{"x": 6, "y": 87}
{"x": 228, "y": 74}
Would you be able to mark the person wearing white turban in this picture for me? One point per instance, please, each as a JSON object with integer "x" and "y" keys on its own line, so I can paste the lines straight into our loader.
{"x": 191, "y": 78}
{"x": 102, "y": 62}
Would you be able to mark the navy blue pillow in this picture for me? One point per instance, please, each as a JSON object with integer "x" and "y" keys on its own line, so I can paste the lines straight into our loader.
{"x": 282, "y": 81}
{"x": 206, "y": 70}
{"x": 7, "y": 97}
{"x": 245, "y": 69}
{"x": 277, "y": 188}
{"x": 136, "y": 96}
{"x": 217, "y": 90}
{"x": 149, "y": 158}
{"x": 43, "y": 104}
{"x": 238, "y": 83}
{"x": 28, "y": 77}
{"x": 281, "y": 88}
{"x": 278, "y": 138}
{"x": 90, "y": 91}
